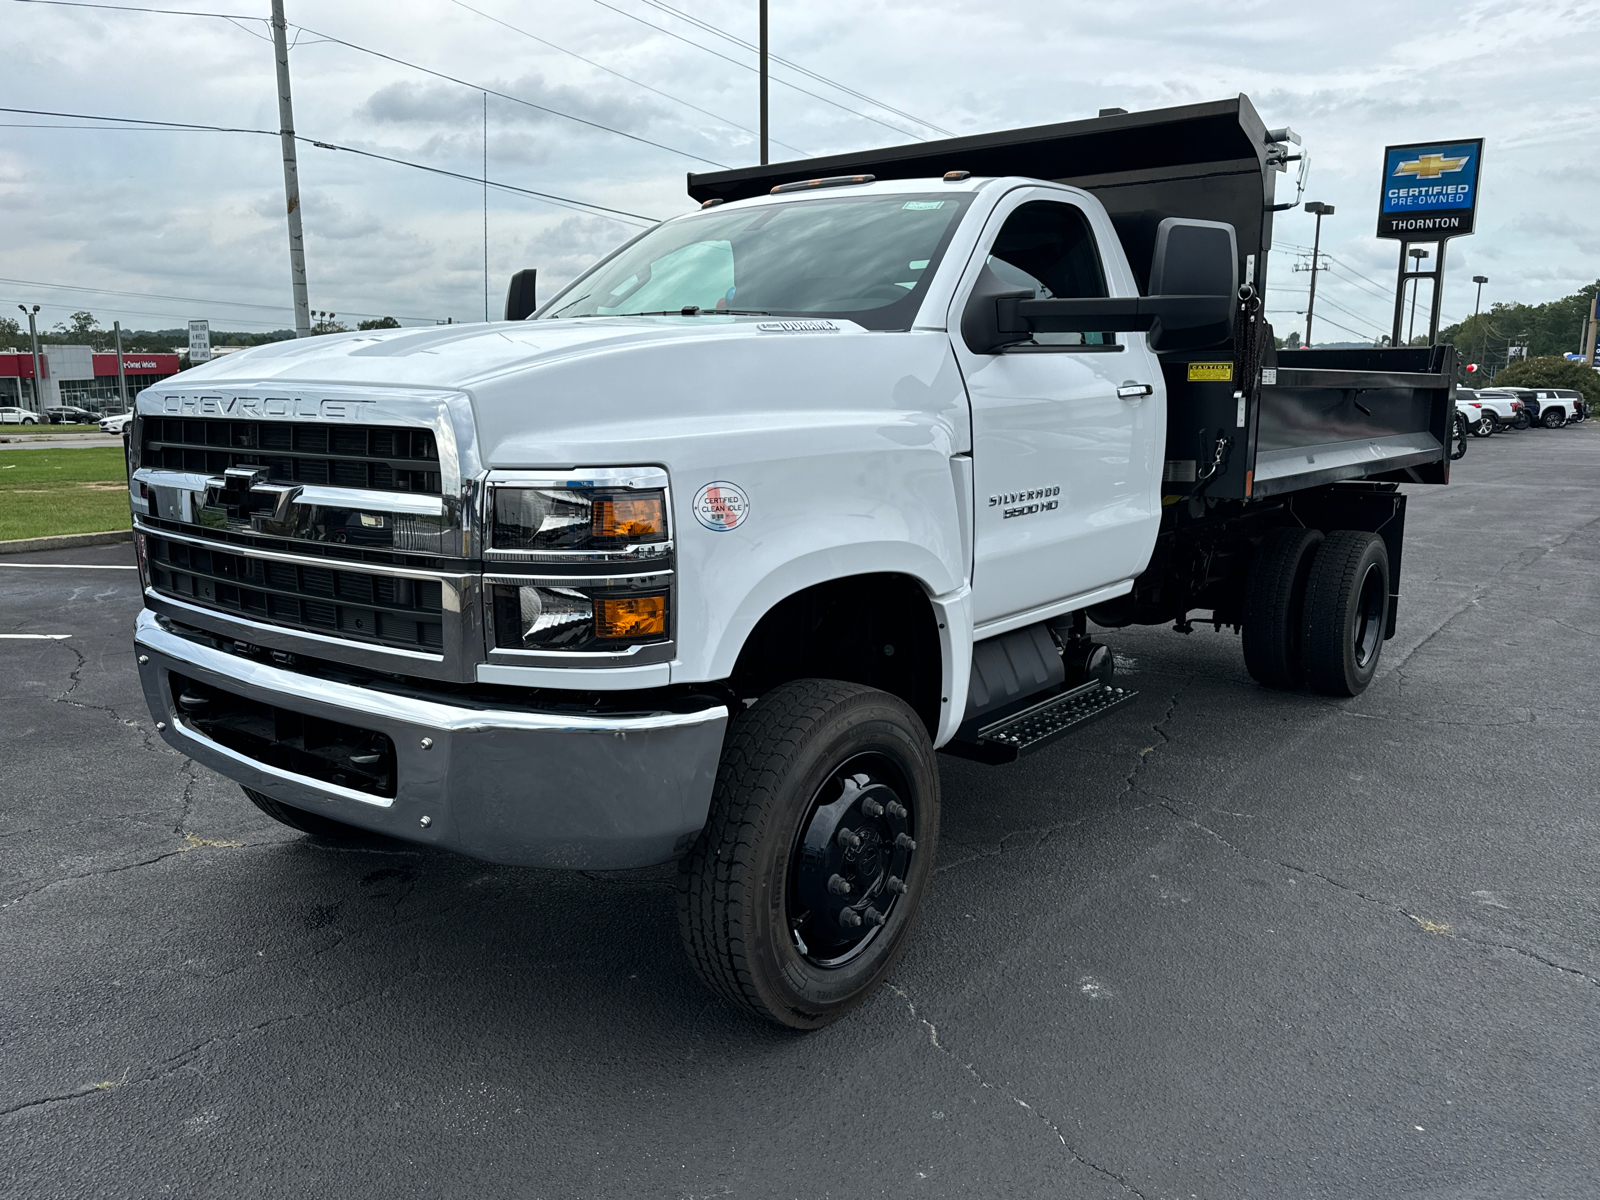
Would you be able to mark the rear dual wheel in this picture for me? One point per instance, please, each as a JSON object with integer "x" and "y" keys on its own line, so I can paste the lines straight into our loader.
{"x": 1317, "y": 610}
{"x": 802, "y": 890}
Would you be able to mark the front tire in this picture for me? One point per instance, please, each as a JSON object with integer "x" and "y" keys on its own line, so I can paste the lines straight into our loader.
{"x": 1522, "y": 420}
{"x": 307, "y": 822}
{"x": 801, "y": 892}
{"x": 1484, "y": 427}
{"x": 1273, "y": 601}
{"x": 1346, "y": 613}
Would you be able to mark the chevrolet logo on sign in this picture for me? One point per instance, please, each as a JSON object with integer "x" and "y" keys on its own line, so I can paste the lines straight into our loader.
{"x": 1431, "y": 166}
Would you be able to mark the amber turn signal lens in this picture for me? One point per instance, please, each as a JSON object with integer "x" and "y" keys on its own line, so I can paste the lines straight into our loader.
{"x": 630, "y": 516}
{"x": 630, "y": 616}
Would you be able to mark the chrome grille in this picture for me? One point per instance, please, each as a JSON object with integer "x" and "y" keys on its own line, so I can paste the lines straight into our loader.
{"x": 383, "y": 609}
{"x": 378, "y": 458}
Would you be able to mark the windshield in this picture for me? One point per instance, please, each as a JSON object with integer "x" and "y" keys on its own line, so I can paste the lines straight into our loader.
{"x": 862, "y": 258}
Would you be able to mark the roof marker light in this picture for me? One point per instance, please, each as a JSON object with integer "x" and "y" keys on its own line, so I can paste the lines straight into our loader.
{"x": 956, "y": 176}
{"x": 803, "y": 185}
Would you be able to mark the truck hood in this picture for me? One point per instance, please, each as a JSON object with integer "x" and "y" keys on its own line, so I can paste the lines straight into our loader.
{"x": 466, "y": 356}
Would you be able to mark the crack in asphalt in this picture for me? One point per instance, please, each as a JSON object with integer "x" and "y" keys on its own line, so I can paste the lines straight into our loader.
{"x": 1077, "y": 1156}
{"x": 146, "y": 735}
{"x": 1434, "y": 928}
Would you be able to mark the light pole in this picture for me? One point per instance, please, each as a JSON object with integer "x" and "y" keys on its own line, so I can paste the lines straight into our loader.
{"x": 1477, "y": 306}
{"x": 764, "y": 75}
{"x": 122, "y": 377}
{"x": 38, "y": 375}
{"x": 1411, "y": 329}
{"x": 1321, "y": 210}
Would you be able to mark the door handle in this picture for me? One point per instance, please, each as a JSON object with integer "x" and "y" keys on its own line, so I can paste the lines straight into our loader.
{"x": 1133, "y": 391}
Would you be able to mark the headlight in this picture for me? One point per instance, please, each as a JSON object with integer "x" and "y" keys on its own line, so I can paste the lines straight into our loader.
{"x": 576, "y": 518}
{"x": 552, "y": 616}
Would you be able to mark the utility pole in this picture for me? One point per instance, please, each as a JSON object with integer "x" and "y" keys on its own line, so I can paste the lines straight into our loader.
{"x": 763, "y": 82}
{"x": 291, "y": 175}
{"x": 38, "y": 374}
{"x": 486, "y": 206}
{"x": 1321, "y": 210}
{"x": 1411, "y": 330}
{"x": 122, "y": 376}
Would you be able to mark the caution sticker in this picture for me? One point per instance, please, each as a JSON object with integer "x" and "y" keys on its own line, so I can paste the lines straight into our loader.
{"x": 1211, "y": 372}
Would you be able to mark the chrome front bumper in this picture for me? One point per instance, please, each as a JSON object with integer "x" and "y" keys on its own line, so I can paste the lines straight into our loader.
{"x": 513, "y": 785}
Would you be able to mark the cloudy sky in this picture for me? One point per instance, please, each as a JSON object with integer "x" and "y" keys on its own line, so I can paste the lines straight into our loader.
{"x": 175, "y": 223}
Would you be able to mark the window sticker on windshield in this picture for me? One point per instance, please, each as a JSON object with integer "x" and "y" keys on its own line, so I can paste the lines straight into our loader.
{"x": 921, "y": 205}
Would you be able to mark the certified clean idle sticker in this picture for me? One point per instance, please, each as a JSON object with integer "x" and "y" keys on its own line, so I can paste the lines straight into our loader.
{"x": 721, "y": 506}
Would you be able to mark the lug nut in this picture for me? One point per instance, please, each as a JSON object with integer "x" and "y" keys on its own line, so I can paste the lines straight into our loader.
{"x": 838, "y": 885}
{"x": 874, "y": 917}
{"x": 904, "y": 842}
{"x": 849, "y": 839}
{"x": 871, "y": 807}
{"x": 896, "y": 809}
{"x": 849, "y": 918}
{"x": 896, "y": 885}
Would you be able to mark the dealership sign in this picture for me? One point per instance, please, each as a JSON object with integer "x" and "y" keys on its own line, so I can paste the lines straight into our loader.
{"x": 1430, "y": 190}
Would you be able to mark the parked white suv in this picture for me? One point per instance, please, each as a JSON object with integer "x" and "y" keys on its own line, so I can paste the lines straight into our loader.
{"x": 1507, "y": 408}
{"x": 1560, "y": 406}
{"x": 18, "y": 416}
{"x": 1480, "y": 420}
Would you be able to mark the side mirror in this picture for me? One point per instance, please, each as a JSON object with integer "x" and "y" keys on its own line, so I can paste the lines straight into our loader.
{"x": 520, "y": 295}
{"x": 980, "y": 326}
{"x": 1194, "y": 282}
{"x": 1194, "y": 259}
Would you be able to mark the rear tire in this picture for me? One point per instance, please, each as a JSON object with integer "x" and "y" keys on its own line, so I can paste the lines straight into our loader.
{"x": 1484, "y": 427}
{"x": 308, "y": 822}
{"x": 812, "y": 767}
{"x": 1272, "y": 608}
{"x": 1553, "y": 418}
{"x": 1521, "y": 421}
{"x": 1346, "y": 613}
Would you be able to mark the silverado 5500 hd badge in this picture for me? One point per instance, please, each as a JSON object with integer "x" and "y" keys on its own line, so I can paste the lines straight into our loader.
{"x": 1023, "y": 504}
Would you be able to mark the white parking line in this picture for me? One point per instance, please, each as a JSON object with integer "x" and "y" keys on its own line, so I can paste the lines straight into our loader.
{"x": 34, "y": 637}
{"x": 71, "y": 566}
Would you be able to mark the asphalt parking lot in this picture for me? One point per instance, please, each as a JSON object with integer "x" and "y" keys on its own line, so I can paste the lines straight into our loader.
{"x": 1226, "y": 943}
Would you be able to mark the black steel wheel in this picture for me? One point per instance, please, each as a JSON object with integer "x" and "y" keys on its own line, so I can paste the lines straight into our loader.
{"x": 308, "y": 822}
{"x": 1274, "y": 597}
{"x": 801, "y": 892}
{"x": 1346, "y": 613}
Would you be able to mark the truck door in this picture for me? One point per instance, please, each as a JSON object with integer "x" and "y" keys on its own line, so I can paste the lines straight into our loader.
{"x": 1067, "y": 473}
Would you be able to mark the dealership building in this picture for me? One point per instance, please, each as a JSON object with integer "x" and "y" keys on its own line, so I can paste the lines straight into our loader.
{"x": 77, "y": 376}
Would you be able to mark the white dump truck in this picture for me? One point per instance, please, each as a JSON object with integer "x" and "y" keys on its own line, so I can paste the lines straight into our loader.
{"x": 706, "y": 558}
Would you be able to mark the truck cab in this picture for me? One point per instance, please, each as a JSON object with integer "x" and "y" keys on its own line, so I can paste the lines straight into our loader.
{"x": 705, "y": 559}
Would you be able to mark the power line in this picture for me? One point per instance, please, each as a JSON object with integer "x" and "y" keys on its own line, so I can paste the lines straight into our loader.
{"x": 69, "y": 287}
{"x": 747, "y": 67}
{"x": 794, "y": 66}
{"x": 584, "y": 206}
{"x": 627, "y": 78}
{"x": 328, "y": 37}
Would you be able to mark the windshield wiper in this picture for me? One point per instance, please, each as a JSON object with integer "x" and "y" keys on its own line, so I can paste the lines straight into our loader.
{"x": 694, "y": 310}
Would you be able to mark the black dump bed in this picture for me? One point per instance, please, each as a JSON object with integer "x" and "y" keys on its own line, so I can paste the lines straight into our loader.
{"x": 1268, "y": 421}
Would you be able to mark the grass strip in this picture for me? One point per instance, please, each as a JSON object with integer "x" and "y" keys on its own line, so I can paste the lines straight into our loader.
{"x": 45, "y": 493}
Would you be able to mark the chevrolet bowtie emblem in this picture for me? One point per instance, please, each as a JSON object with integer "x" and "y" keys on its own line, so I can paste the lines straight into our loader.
{"x": 1431, "y": 166}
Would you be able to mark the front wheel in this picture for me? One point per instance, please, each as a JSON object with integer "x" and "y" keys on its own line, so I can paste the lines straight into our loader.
{"x": 1521, "y": 420}
{"x": 1484, "y": 427}
{"x": 801, "y": 892}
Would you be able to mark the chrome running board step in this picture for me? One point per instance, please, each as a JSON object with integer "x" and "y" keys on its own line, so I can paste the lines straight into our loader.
{"x": 1009, "y": 738}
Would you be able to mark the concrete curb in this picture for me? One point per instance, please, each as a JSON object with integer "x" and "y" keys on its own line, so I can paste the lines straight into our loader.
{"x": 67, "y": 541}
